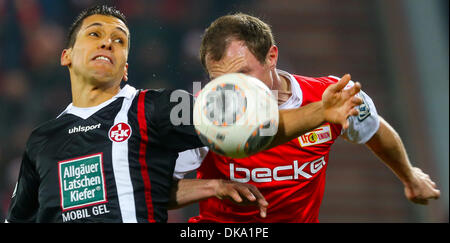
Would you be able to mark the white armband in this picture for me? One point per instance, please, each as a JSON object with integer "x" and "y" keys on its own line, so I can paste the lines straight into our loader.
{"x": 189, "y": 161}
{"x": 365, "y": 125}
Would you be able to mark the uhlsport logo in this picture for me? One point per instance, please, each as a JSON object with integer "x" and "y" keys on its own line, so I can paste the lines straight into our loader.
{"x": 83, "y": 128}
{"x": 120, "y": 132}
{"x": 82, "y": 182}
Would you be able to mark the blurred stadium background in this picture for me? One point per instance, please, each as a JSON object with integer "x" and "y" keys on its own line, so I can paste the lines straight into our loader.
{"x": 398, "y": 50}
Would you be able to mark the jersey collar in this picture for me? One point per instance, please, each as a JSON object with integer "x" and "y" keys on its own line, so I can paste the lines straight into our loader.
{"x": 127, "y": 92}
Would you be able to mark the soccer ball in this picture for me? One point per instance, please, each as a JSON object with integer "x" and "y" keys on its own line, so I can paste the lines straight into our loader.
{"x": 236, "y": 115}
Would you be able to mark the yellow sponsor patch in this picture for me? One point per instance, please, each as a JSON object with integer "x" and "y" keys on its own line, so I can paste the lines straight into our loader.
{"x": 319, "y": 135}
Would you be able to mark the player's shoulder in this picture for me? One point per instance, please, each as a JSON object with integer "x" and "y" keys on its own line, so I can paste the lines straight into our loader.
{"x": 320, "y": 81}
{"x": 164, "y": 94}
{"x": 153, "y": 98}
{"x": 314, "y": 85}
{"x": 48, "y": 127}
{"x": 44, "y": 131}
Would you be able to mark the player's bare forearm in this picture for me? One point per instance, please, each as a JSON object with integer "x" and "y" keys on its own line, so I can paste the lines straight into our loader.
{"x": 388, "y": 146}
{"x": 336, "y": 106}
{"x": 188, "y": 191}
{"x": 295, "y": 122}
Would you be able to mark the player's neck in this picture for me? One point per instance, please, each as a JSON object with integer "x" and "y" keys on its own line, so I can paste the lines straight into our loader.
{"x": 283, "y": 85}
{"x": 87, "y": 94}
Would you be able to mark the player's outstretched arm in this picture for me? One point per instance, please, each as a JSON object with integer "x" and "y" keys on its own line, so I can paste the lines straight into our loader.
{"x": 336, "y": 106}
{"x": 188, "y": 191}
{"x": 388, "y": 146}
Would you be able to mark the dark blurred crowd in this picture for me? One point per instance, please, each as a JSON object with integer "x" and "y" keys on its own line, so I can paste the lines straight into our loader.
{"x": 165, "y": 36}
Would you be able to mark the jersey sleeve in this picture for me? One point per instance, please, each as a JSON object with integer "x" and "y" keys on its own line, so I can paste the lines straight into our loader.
{"x": 24, "y": 202}
{"x": 365, "y": 125}
{"x": 175, "y": 111}
{"x": 189, "y": 161}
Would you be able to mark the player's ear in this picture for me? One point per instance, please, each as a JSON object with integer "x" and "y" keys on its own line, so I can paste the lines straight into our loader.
{"x": 66, "y": 58}
{"x": 272, "y": 57}
{"x": 125, "y": 72}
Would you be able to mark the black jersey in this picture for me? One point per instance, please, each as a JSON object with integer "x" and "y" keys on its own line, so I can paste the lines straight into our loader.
{"x": 109, "y": 163}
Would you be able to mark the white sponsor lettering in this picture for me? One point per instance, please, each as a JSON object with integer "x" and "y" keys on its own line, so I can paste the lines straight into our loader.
{"x": 265, "y": 175}
{"x": 85, "y": 213}
{"x": 281, "y": 178}
{"x": 268, "y": 175}
{"x": 243, "y": 180}
{"x": 83, "y": 129}
{"x": 79, "y": 171}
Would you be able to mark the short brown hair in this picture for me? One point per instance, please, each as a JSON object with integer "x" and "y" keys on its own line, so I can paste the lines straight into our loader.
{"x": 256, "y": 34}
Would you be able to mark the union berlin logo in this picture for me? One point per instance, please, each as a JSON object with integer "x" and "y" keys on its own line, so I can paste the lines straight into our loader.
{"x": 120, "y": 132}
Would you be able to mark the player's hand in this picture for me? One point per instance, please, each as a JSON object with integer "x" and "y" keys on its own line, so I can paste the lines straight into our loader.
{"x": 242, "y": 194}
{"x": 421, "y": 188}
{"x": 339, "y": 103}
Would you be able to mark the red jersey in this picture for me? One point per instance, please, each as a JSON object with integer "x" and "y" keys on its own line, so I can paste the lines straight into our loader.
{"x": 291, "y": 176}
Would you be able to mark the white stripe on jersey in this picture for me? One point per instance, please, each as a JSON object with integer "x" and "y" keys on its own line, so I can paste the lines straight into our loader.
{"x": 121, "y": 168}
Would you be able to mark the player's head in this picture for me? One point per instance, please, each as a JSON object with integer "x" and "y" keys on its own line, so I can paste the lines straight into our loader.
{"x": 239, "y": 43}
{"x": 98, "y": 31}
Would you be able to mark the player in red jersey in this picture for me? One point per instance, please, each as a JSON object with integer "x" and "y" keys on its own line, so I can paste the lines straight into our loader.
{"x": 290, "y": 176}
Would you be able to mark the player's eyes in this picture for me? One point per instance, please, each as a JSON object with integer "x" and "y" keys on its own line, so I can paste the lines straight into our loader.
{"x": 93, "y": 34}
{"x": 244, "y": 70}
{"x": 119, "y": 40}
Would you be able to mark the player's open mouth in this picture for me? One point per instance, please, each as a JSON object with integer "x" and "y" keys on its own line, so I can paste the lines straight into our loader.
{"x": 103, "y": 58}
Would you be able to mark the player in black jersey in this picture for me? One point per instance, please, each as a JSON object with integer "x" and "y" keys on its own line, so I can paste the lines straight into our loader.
{"x": 110, "y": 155}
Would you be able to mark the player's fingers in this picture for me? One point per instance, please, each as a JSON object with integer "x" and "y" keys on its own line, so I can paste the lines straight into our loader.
{"x": 345, "y": 124}
{"x": 417, "y": 170}
{"x": 354, "y": 89}
{"x": 436, "y": 193}
{"x": 258, "y": 194}
{"x": 244, "y": 191}
{"x": 354, "y": 112}
{"x": 341, "y": 83}
{"x": 263, "y": 211}
{"x": 356, "y": 101}
{"x": 234, "y": 195}
{"x": 262, "y": 203}
{"x": 433, "y": 184}
{"x": 260, "y": 199}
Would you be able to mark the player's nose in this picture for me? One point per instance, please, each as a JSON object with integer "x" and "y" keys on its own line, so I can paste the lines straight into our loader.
{"x": 106, "y": 44}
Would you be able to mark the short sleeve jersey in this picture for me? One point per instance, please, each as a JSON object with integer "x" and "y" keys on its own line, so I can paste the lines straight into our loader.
{"x": 290, "y": 176}
{"x": 109, "y": 163}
